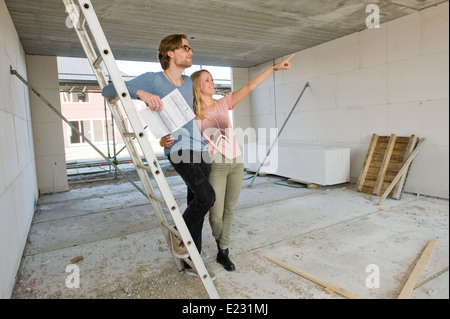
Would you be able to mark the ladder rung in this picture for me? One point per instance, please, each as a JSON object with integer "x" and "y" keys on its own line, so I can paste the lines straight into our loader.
{"x": 148, "y": 169}
{"x": 98, "y": 61}
{"x": 171, "y": 228}
{"x": 158, "y": 199}
{"x": 175, "y": 231}
{"x": 81, "y": 21}
{"x": 144, "y": 167}
{"x": 114, "y": 100}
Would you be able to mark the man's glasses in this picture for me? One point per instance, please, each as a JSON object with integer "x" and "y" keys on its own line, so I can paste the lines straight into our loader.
{"x": 187, "y": 48}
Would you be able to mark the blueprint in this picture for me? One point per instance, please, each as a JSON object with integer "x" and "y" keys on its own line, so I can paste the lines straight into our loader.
{"x": 175, "y": 114}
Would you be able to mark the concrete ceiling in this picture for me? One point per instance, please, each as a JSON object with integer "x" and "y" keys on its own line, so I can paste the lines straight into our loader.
{"x": 235, "y": 33}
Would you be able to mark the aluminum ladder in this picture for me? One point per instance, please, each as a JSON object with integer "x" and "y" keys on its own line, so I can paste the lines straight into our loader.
{"x": 83, "y": 18}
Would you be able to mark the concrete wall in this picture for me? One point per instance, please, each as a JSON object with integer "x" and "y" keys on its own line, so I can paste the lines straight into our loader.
{"x": 391, "y": 80}
{"x": 47, "y": 126}
{"x": 18, "y": 181}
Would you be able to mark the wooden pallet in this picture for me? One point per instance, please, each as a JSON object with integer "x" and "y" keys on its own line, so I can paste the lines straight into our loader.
{"x": 386, "y": 157}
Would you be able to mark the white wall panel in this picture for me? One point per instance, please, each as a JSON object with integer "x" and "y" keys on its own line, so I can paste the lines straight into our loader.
{"x": 18, "y": 182}
{"x": 362, "y": 87}
{"x": 434, "y": 29}
{"x": 373, "y": 47}
{"x": 403, "y": 40}
{"x": 338, "y": 56}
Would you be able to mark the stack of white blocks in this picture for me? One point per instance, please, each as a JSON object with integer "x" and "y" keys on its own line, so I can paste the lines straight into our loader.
{"x": 302, "y": 163}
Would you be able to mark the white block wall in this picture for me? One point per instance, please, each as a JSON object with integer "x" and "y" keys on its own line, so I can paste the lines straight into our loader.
{"x": 47, "y": 125}
{"x": 18, "y": 181}
{"x": 392, "y": 80}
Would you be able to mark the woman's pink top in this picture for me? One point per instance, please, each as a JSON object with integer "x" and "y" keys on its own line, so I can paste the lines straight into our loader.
{"x": 217, "y": 130}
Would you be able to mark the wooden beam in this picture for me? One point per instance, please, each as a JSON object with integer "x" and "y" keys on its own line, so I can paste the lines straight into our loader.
{"x": 414, "y": 277}
{"x": 398, "y": 189}
{"x": 384, "y": 165}
{"x": 328, "y": 286}
{"x": 402, "y": 170}
{"x": 362, "y": 176}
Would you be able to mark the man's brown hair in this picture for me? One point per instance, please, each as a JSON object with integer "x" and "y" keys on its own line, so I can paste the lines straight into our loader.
{"x": 169, "y": 43}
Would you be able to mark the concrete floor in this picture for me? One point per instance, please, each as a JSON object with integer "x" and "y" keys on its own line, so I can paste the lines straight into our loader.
{"x": 332, "y": 232}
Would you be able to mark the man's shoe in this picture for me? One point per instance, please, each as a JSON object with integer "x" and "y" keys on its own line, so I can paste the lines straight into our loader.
{"x": 223, "y": 259}
{"x": 178, "y": 248}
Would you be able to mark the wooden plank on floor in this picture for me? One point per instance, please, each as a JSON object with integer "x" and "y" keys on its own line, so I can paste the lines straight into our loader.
{"x": 415, "y": 275}
{"x": 328, "y": 286}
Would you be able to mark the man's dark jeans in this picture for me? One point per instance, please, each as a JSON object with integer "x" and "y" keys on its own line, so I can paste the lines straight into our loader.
{"x": 195, "y": 169}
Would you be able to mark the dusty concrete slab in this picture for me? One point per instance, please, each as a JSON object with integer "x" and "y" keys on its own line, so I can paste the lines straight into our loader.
{"x": 332, "y": 232}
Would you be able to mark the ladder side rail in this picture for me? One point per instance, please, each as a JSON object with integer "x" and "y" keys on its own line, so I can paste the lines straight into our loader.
{"x": 85, "y": 41}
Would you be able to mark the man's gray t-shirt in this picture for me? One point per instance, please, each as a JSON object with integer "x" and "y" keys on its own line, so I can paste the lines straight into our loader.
{"x": 189, "y": 136}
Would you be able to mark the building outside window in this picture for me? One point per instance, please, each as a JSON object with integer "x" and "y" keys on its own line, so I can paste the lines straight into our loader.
{"x": 84, "y": 106}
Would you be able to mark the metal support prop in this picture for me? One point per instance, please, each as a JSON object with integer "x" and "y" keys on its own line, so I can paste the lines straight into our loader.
{"x": 278, "y": 136}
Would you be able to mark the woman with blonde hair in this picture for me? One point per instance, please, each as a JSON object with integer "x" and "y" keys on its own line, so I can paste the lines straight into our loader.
{"x": 227, "y": 167}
